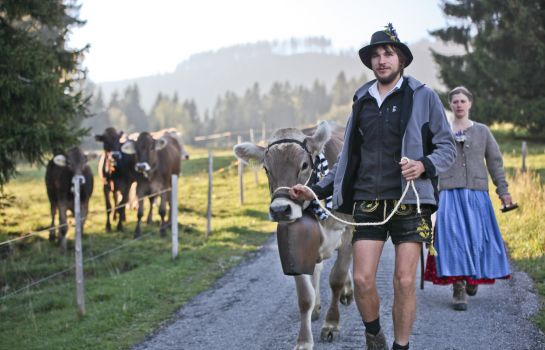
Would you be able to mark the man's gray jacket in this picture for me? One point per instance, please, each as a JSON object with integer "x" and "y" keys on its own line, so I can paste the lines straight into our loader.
{"x": 427, "y": 138}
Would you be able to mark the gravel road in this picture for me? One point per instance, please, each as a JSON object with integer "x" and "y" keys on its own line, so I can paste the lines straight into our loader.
{"x": 254, "y": 307}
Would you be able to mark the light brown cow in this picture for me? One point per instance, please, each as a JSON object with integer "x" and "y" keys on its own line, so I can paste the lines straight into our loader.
{"x": 157, "y": 160}
{"x": 288, "y": 160}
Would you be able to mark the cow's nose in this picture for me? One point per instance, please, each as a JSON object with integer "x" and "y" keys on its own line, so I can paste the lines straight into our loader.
{"x": 280, "y": 210}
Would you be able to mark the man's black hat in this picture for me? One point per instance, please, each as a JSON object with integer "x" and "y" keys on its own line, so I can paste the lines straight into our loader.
{"x": 388, "y": 36}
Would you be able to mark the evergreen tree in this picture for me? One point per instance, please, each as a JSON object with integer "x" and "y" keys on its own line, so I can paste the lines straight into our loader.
{"x": 40, "y": 106}
{"x": 504, "y": 60}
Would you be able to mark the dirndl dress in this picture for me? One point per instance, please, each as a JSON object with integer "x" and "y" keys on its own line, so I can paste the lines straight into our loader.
{"x": 467, "y": 240}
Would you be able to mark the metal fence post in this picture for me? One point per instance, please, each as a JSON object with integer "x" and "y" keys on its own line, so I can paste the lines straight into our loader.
{"x": 174, "y": 214}
{"x": 80, "y": 289}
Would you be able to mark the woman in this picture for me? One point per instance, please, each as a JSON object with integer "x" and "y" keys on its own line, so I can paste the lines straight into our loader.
{"x": 470, "y": 249}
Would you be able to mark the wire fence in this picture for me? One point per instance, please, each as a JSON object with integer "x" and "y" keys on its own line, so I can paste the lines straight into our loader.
{"x": 109, "y": 251}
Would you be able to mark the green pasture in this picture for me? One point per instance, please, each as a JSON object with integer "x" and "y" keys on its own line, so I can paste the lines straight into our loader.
{"x": 136, "y": 288}
{"x": 132, "y": 290}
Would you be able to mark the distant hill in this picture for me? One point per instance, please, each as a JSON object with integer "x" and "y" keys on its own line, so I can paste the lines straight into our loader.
{"x": 205, "y": 76}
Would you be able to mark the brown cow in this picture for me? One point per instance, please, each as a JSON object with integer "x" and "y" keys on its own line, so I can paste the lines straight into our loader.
{"x": 157, "y": 160}
{"x": 116, "y": 170}
{"x": 60, "y": 190}
{"x": 288, "y": 160}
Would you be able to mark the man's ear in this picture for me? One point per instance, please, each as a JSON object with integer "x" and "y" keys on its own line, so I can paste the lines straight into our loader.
{"x": 317, "y": 141}
{"x": 246, "y": 151}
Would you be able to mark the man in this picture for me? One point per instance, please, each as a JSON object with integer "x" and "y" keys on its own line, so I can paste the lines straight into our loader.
{"x": 392, "y": 117}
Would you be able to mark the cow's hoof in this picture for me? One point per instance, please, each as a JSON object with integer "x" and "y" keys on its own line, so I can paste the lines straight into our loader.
{"x": 347, "y": 296}
{"x": 120, "y": 228}
{"x": 304, "y": 346}
{"x": 52, "y": 237}
{"x": 136, "y": 235}
{"x": 330, "y": 334}
{"x": 108, "y": 227}
{"x": 316, "y": 313}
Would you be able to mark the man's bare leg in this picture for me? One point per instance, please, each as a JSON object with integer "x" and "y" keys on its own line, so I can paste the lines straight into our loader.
{"x": 366, "y": 255}
{"x": 404, "y": 308}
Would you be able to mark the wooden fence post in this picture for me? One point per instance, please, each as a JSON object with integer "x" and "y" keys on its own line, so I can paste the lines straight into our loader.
{"x": 240, "y": 174}
{"x": 209, "y": 207}
{"x": 80, "y": 289}
{"x": 174, "y": 214}
{"x": 524, "y": 152}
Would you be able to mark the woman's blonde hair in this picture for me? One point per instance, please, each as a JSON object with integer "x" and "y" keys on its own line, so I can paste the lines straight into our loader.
{"x": 460, "y": 90}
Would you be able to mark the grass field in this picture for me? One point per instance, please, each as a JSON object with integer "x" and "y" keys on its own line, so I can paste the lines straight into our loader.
{"x": 134, "y": 289}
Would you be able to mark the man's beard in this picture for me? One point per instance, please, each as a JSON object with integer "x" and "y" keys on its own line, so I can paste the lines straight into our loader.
{"x": 389, "y": 78}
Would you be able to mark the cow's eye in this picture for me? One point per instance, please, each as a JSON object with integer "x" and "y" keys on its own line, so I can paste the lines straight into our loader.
{"x": 304, "y": 166}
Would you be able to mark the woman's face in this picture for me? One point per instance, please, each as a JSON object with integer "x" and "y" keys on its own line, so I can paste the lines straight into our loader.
{"x": 460, "y": 105}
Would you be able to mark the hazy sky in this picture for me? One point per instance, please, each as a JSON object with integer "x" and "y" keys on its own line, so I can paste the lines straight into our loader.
{"x": 134, "y": 38}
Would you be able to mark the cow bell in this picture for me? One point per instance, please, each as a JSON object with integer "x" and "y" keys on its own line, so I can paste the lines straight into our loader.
{"x": 298, "y": 245}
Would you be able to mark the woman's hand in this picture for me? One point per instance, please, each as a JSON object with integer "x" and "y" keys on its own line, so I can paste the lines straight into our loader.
{"x": 506, "y": 200}
{"x": 300, "y": 192}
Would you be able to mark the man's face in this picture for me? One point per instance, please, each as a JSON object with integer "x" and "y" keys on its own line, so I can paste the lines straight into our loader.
{"x": 385, "y": 64}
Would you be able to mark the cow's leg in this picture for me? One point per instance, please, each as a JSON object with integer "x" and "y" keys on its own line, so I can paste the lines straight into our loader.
{"x": 162, "y": 213}
{"x": 340, "y": 282}
{"x": 149, "y": 221}
{"x": 63, "y": 227}
{"x": 52, "y": 230}
{"x": 106, "y": 190}
{"x": 316, "y": 284}
{"x": 123, "y": 205}
{"x": 305, "y": 297}
{"x": 140, "y": 193}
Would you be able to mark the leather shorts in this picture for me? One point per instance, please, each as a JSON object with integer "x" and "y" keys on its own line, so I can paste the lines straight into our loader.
{"x": 406, "y": 225}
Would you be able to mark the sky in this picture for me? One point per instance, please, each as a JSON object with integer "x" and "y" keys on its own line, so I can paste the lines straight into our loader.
{"x": 136, "y": 38}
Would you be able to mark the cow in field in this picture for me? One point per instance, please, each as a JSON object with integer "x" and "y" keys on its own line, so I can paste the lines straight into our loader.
{"x": 156, "y": 160}
{"x": 289, "y": 159}
{"x": 116, "y": 170}
{"x": 60, "y": 190}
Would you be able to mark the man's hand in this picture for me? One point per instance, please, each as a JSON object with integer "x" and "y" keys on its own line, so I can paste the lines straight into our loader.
{"x": 300, "y": 192}
{"x": 411, "y": 169}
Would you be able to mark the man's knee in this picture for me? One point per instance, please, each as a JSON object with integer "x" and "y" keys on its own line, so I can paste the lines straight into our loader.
{"x": 405, "y": 284}
{"x": 364, "y": 283}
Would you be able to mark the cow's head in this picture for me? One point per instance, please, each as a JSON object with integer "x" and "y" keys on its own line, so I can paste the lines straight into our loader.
{"x": 111, "y": 140}
{"x": 74, "y": 159}
{"x": 288, "y": 160}
{"x": 145, "y": 149}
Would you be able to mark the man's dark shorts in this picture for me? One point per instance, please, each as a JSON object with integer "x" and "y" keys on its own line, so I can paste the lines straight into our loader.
{"x": 407, "y": 225}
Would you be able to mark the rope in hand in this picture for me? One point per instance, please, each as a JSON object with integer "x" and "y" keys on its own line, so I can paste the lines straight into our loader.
{"x": 409, "y": 183}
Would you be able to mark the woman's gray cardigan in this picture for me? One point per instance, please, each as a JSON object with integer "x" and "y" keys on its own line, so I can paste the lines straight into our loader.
{"x": 469, "y": 169}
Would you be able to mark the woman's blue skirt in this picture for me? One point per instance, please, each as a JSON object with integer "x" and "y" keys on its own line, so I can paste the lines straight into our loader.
{"x": 467, "y": 238}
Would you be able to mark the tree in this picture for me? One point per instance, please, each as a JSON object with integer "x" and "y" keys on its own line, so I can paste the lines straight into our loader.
{"x": 504, "y": 60}
{"x": 40, "y": 107}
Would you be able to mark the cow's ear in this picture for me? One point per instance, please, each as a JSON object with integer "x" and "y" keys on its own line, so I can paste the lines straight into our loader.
{"x": 128, "y": 148}
{"x": 161, "y": 143}
{"x": 247, "y": 151}
{"x": 59, "y": 160}
{"x": 317, "y": 141}
{"x": 99, "y": 138}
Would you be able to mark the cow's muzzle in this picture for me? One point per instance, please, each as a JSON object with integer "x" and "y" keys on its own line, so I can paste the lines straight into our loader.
{"x": 284, "y": 209}
{"x": 143, "y": 168}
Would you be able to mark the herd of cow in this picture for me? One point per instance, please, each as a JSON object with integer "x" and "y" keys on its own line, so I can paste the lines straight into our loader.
{"x": 145, "y": 159}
